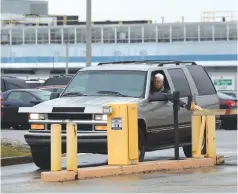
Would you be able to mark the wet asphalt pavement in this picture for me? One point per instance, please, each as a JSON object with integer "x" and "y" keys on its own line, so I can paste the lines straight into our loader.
{"x": 219, "y": 179}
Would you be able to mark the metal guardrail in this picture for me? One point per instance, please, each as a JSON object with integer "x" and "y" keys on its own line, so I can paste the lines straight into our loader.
{"x": 138, "y": 33}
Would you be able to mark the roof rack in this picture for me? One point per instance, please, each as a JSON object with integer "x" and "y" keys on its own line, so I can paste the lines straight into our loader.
{"x": 158, "y": 62}
{"x": 179, "y": 63}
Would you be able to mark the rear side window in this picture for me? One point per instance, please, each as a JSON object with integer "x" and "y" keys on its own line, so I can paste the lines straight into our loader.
{"x": 180, "y": 82}
{"x": 202, "y": 80}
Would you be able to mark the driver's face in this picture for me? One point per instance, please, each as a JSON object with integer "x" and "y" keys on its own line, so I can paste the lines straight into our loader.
{"x": 158, "y": 83}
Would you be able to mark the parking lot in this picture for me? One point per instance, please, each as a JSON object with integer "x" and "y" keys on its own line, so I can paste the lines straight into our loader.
{"x": 222, "y": 178}
{"x": 141, "y": 100}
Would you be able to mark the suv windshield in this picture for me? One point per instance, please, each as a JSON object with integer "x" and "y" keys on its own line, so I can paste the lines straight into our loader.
{"x": 115, "y": 83}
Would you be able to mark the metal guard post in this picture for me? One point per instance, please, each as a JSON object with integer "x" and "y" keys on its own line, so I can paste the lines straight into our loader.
{"x": 176, "y": 107}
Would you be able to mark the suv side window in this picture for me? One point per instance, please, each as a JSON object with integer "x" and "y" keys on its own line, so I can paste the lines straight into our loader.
{"x": 202, "y": 80}
{"x": 166, "y": 83}
{"x": 180, "y": 82}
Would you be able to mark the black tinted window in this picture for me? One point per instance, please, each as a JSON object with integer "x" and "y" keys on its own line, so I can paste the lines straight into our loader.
{"x": 180, "y": 82}
{"x": 15, "y": 84}
{"x": 202, "y": 80}
{"x": 57, "y": 81}
{"x": 33, "y": 85}
{"x": 3, "y": 88}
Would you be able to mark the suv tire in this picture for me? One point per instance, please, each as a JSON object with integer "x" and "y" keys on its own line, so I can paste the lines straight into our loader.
{"x": 230, "y": 125}
{"x": 41, "y": 157}
{"x": 187, "y": 150}
{"x": 141, "y": 143}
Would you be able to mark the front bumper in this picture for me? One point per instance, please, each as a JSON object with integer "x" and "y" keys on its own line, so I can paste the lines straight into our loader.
{"x": 46, "y": 121}
{"x": 88, "y": 142}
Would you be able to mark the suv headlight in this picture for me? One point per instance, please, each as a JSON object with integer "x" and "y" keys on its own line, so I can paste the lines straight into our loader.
{"x": 36, "y": 116}
{"x": 101, "y": 117}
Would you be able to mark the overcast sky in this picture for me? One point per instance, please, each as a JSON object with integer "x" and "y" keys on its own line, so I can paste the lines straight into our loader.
{"x": 172, "y": 10}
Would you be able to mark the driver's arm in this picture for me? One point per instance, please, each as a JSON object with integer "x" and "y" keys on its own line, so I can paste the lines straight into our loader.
{"x": 171, "y": 99}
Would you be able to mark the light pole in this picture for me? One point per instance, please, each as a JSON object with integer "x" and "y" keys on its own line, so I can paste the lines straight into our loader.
{"x": 67, "y": 59}
{"x": 88, "y": 34}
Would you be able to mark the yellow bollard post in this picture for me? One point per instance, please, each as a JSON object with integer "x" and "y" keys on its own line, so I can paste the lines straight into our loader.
{"x": 211, "y": 136}
{"x": 133, "y": 133}
{"x": 72, "y": 150}
{"x": 196, "y": 125}
{"x": 56, "y": 147}
{"x": 201, "y": 137}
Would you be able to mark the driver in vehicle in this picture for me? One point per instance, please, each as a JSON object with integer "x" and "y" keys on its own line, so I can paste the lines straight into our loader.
{"x": 158, "y": 86}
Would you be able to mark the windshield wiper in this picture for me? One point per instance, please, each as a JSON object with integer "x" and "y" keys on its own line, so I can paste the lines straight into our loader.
{"x": 74, "y": 94}
{"x": 112, "y": 92}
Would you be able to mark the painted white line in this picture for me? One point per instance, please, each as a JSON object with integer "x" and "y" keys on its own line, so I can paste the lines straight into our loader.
{"x": 230, "y": 161}
{"x": 64, "y": 155}
{"x": 227, "y": 152}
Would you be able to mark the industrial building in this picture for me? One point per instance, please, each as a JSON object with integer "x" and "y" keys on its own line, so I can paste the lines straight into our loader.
{"x": 38, "y": 49}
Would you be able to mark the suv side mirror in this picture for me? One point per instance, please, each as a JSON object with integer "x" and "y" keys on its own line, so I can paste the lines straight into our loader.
{"x": 158, "y": 97}
{"x": 54, "y": 95}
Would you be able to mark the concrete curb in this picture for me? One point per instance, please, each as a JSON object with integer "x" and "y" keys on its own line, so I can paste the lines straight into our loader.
{"x": 16, "y": 160}
{"x": 144, "y": 167}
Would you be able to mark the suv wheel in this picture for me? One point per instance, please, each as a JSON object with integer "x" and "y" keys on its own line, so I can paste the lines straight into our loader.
{"x": 5, "y": 126}
{"x": 188, "y": 149}
{"x": 141, "y": 143}
{"x": 230, "y": 125}
{"x": 41, "y": 157}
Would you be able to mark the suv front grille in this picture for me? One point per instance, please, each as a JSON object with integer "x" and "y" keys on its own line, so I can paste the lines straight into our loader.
{"x": 57, "y": 116}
